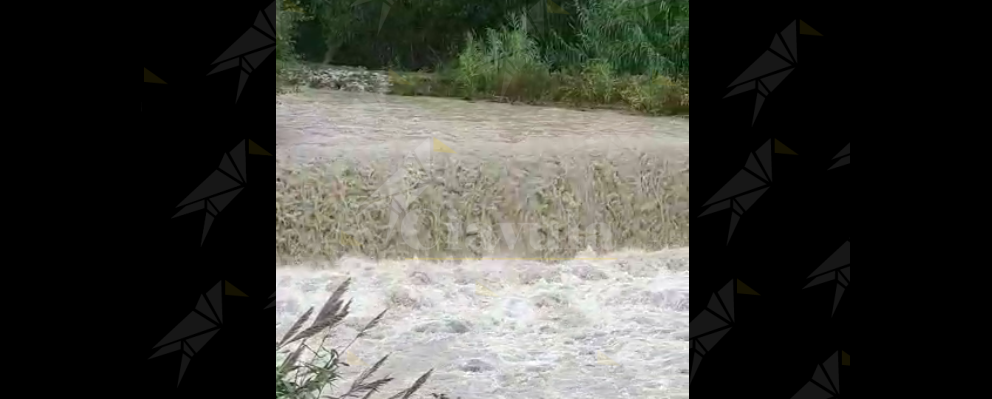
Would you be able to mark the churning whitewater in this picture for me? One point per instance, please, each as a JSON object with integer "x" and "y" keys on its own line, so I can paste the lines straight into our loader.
{"x": 598, "y": 326}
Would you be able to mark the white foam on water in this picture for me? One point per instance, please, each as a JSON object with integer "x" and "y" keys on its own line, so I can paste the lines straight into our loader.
{"x": 613, "y": 327}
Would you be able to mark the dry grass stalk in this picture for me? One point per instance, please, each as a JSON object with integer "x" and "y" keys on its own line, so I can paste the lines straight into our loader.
{"x": 318, "y": 377}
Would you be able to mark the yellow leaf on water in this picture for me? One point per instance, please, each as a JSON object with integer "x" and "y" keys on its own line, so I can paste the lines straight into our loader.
{"x": 352, "y": 359}
{"x": 603, "y": 359}
{"x": 481, "y": 290}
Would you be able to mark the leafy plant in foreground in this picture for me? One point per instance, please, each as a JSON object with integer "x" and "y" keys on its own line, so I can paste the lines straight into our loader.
{"x": 308, "y": 380}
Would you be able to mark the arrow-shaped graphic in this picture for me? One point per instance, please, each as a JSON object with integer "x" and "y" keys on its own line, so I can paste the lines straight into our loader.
{"x": 151, "y": 78}
{"x": 383, "y": 13}
{"x": 556, "y": 9}
{"x": 710, "y": 326}
{"x": 251, "y": 49}
{"x": 273, "y": 303}
{"x": 843, "y": 157}
{"x": 769, "y": 70}
{"x": 395, "y": 78}
{"x": 825, "y": 382}
{"x": 194, "y": 331}
{"x": 744, "y": 189}
{"x": 220, "y": 188}
{"x": 836, "y": 268}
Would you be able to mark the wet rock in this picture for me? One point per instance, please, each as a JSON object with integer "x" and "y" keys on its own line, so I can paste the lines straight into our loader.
{"x": 630, "y": 296}
{"x": 404, "y": 297}
{"x": 354, "y": 86}
{"x": 532, "y": 274}
{"x": 539, "y": 368}
{"x": 445, "y": 326}
{"x": 671, "y": 299}
{"x": 570, "y": 318}
{"x": 314, "y": 284}
{"x": 420, "y": 278}
{"x": 637, "y": 267}
{"x": 677, "y": 264}
{"x": 586, "y": 271}
{"x": 456, "y": 326}
{"x": 475, "y": 366}
{"x": 548, "y": 300}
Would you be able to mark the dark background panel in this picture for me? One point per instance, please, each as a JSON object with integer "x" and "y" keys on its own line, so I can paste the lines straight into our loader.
{"x": 185, "y": 127}
{"x": 800, "y": 221}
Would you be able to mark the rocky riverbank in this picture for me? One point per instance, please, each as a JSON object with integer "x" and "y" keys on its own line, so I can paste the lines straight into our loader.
{"x": 353, "y": 79}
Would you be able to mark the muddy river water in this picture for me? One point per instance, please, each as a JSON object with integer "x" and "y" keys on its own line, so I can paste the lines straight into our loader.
{"x": 610, "y": 325}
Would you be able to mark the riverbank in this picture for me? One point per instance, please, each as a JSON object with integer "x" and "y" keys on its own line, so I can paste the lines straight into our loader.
{"x": 638, "y": 95}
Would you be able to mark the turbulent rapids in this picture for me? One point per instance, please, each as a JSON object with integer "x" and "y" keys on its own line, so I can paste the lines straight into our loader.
{"x": 599, "y": 326}
{"x": 596, "y": 325}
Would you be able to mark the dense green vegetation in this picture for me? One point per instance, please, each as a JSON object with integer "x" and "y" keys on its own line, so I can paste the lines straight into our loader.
{"x": 633, "y": 53}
